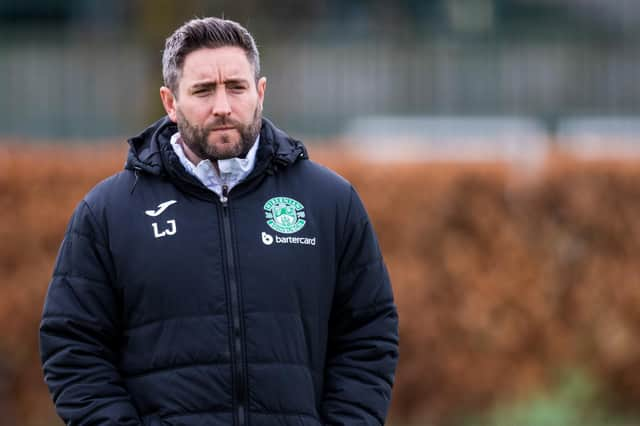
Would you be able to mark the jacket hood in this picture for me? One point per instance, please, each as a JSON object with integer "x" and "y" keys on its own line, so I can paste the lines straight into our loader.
{"x": 151, "y": 152}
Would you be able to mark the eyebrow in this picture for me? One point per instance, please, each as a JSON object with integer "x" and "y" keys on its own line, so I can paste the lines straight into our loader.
{"x": 213, "y": 84}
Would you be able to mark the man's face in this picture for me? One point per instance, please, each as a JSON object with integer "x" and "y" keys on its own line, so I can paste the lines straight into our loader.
{"x": 218, "y": 107}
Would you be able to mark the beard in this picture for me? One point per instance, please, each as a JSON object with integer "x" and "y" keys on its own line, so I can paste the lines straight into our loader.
{"x": 228, "y": 145}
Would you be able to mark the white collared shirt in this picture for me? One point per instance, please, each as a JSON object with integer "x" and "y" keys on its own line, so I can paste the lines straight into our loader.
{"x": 232, "y": 170}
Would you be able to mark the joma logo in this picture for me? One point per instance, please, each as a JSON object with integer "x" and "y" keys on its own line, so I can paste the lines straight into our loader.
{"x": 171, "y": 230}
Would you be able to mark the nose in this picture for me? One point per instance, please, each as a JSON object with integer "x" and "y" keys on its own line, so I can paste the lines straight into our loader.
{"x": 221, "y": 105}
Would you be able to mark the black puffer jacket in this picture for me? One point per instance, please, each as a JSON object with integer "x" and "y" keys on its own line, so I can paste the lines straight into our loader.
{"x": 169, "y": 306}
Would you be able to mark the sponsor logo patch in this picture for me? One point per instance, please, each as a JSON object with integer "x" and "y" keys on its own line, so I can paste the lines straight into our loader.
{"x": 268, "y": 239}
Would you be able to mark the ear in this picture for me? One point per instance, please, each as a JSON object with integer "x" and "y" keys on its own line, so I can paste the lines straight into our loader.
{"x": 261, "y": 87}
{"x": 169, "y": 102}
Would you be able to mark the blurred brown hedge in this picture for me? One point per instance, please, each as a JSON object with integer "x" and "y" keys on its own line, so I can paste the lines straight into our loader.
{"x": 501, "y": 277}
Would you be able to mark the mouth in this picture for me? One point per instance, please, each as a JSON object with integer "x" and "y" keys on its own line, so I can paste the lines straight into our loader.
{"x": 222, "y": 129}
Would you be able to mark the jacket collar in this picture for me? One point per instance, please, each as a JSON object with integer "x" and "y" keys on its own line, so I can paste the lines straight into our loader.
{"x": 150, "y": 152}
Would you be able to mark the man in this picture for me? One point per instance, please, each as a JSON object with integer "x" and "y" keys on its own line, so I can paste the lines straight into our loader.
{"x": 222, "y": 278}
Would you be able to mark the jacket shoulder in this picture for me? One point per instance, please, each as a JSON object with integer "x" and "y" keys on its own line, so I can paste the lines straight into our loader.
{"x": 111, "y": 189}
{"x": 324, "y": 177}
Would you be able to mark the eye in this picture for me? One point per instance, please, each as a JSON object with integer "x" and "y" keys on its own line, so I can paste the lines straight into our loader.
{"x": 236, "y": 88}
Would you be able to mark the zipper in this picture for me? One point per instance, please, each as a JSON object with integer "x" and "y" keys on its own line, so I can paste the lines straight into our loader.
{"x": 238, "y": 366}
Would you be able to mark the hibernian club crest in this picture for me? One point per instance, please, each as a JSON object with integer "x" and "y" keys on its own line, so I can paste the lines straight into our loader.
{"x": 284, "y": 215}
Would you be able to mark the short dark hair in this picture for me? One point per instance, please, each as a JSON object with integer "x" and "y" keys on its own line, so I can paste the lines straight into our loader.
{"x": 204, "y": 32}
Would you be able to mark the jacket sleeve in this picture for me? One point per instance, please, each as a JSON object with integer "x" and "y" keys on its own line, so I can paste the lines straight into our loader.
{"x": 362, "y": 350}
{"x": 79, "y": 331}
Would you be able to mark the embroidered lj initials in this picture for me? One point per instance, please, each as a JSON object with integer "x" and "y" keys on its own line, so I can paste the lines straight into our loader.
{"x": 167, "y": 231}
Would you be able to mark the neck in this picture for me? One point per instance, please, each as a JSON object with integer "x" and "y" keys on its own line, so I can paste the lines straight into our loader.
{"x": 195, "y": 158}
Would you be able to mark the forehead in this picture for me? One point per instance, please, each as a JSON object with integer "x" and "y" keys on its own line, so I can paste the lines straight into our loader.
{"x": 216, "y": 63}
